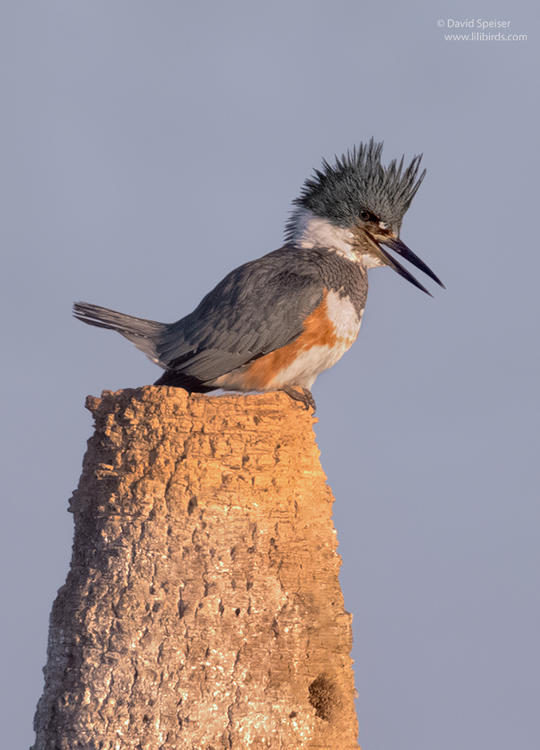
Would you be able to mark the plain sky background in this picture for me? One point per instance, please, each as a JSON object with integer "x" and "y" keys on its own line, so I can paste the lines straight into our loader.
{"x": 147, "y": 148}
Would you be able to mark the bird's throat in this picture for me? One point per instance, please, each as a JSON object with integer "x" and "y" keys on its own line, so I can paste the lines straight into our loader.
{"x": 310, "y": 231}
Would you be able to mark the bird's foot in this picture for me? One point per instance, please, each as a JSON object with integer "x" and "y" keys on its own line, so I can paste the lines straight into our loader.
{"x": 303, "y": 395}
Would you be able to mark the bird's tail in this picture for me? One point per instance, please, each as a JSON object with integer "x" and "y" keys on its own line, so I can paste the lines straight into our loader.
{"x": 145, "y": 334}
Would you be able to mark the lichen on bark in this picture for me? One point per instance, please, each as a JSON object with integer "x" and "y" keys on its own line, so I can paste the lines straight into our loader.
{"x": 202, "y": 608}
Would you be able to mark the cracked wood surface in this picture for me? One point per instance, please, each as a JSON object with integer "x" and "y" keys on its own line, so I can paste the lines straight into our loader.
{"x": 202, "y": 609}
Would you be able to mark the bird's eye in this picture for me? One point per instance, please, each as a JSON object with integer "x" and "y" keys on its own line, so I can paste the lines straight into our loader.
{"x": 366, "y": 215}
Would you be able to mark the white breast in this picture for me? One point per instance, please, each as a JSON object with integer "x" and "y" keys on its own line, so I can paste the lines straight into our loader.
{"x": 308, "y": 364}
{"x": 343, "y": 315}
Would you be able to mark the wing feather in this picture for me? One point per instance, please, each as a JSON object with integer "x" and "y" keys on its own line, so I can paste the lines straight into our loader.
{"x": 255, "y": 309}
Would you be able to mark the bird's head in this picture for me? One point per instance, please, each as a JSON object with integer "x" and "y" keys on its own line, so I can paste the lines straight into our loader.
{"x": 355, "y": 207}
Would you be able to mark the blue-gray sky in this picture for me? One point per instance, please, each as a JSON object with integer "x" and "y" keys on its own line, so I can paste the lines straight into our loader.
{"x": 147, "y": 149}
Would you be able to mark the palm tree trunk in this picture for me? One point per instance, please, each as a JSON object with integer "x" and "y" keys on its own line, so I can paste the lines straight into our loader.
{"x": 202, "y": 608}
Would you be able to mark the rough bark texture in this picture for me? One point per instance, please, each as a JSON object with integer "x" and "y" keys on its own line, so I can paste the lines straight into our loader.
{"x": 202, "y": 608}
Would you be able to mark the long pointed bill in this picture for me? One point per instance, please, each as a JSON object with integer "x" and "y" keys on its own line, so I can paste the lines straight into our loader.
{"x": 398, "y": 268}
{"x": 400, "y": 248}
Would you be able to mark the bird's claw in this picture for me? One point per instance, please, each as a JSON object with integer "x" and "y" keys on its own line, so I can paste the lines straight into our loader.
{"x": 303, "y": 395}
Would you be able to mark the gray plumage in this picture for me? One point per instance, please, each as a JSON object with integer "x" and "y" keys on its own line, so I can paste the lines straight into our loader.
{"x": 358, "y": 180}
{"x": 344, "y": 216}
{"x": 257, "y": 308}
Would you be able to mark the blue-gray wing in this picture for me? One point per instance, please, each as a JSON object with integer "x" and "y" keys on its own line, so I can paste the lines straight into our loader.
{"x": 258, "y": 307}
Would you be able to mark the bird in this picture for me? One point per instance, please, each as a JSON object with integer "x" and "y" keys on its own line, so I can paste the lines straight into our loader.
{"x": 277, "y": 322}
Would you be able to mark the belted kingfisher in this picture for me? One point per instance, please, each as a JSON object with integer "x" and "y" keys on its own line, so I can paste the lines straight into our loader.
{"x": 278, "y": 321}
